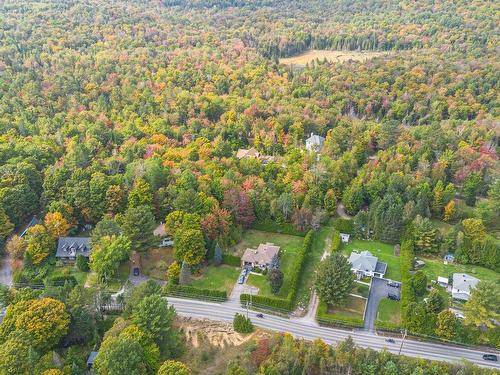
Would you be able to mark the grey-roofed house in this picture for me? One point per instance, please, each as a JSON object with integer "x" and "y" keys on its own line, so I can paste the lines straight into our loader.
{"x": 68, "y": 248}
{"x": 34, "y": 221}
{"x": 91, "y": 360}
{"x": 260, "y": 257}
{"x": 315, "y": 143}
{"x": 462, "y": 286}
{"x": 365, "y": 264}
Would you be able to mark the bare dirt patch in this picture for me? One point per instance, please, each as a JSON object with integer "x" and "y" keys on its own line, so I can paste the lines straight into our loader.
{"x": 332, "y": 56}
{"x": 203, "y": 331}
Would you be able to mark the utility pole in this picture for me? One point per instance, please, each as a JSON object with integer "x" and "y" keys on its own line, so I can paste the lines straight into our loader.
{"x": 402, "y": 341}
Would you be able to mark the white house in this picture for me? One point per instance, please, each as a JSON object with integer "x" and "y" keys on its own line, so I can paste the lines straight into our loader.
{"x": 462, "y": 286}
{"x": 315, "y": 143}
{"x": 344, "y": 237}
{"x": 365, "y": 264}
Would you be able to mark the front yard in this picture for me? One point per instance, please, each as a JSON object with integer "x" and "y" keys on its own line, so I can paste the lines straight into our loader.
{"x": 217, "y": 278}
{"x": 384, "y": 252}
{"x": 155, "y": 262}
{"x": 351, "y": 313}
{"x": 289, "y": 246}
{"x": 389, "y": 311}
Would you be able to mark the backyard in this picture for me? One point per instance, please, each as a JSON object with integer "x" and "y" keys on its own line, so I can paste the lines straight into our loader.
{"x": 384, "y": 252}
{"x": 217, "y": 278}
{"x": 289, "y": 246}
{"x": 435, "y": 267}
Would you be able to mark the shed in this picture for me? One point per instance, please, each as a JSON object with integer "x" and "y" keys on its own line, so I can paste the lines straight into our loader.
{"x": 345, "y": 237}
{"x": 442, "y": 281}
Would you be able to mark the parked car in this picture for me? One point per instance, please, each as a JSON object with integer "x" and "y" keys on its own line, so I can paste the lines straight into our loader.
{"x": 260, "y": 315}
{"x": 490, "y": 357}
{"x": 136, "y": 271}
{"x": 394, "y": 284}
{"x": 394, "y": 297}
{"x": 241, "y": 280}
{"x": 390, "y": 341}
{"x": 167, "y": 242}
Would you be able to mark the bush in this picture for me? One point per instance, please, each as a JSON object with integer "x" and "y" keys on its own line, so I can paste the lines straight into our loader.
{"x": 336, "y": 241}
{"x": 231, "y": 260}
{"x": 273, "y": 303}
{"x": 419, "y": 282}
{"x": 196, "y": 293}
{"x": 344, "y": 226}
{"x": 242, "y": 324}
{"x": 82, "y": 263}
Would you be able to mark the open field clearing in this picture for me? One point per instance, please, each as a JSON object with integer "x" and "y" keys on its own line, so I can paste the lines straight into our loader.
{"x": 333, "y": 56}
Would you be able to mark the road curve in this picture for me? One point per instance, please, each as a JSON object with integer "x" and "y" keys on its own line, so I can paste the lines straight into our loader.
{"x": 310, "y": 331}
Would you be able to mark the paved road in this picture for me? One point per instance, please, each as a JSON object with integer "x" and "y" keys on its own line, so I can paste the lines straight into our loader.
{"x": 5, "y": 271}
{"x": 300, "y": 329}
{"x": 378, "y": 291}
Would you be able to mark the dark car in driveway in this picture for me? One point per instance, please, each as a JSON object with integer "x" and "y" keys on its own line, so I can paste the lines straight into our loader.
{"x": 490, "y": 357}
{"x": 392, "y": 296}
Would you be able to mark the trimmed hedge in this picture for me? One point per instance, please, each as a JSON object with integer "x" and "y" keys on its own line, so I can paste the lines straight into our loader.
{"x": 406, "y": 260}
{"x": 336, "y": 241}
{"x": 274, "y": 227}
{"x": 387, "y": 326}
{"x": 231, "y": 260}
{"x": 296, "y": 272}
{"x": 196, "y": 293}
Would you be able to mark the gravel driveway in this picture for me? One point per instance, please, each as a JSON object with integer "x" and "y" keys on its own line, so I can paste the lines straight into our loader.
{"x": 378, "y": 291}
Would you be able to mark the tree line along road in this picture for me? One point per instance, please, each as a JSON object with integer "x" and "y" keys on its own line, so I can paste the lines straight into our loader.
{"x": 300, "y": 329}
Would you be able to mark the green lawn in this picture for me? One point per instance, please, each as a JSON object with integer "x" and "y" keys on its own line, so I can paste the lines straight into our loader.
{"x": 389, "y": 311}
{"x": 218, "y": 278}
{"x": 80, "y": 276}
{"x": 289, "y": 245}
{"x": 322, "y": 240}
{"x": 354, "y": 308}
{"x": 384, "y": 252}
{"x": 435, "y": 267}
{"x": 361, "y": 290}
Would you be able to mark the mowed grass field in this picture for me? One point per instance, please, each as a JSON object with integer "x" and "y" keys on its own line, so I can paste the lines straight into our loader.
{"x": 389, "y": 311}
{"x": 332, "y": 56}
{"x": 289, "y": 246}
{"x": 353, "y": 308}
{"x": 218, "y": 278}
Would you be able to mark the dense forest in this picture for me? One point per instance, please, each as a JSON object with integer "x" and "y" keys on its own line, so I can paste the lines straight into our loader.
{"x": 121, "y": 115}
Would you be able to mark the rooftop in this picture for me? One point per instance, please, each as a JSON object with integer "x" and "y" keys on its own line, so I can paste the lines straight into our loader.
{"x": 73, "y": 246}
{"x": 463, "y": 282}
{"x": 262, "y": 255}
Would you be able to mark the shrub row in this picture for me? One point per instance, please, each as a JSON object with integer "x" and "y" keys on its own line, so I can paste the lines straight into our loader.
{"x": 387, "y": 326}
{"x": 273, "y": 303}
{"x": 197, "y": 293}
{"x": 231, "y": 260}
{"x": 336, "y": 241}
{"x": 272, "y": 226}
{"x": 406, "y": 260}
{"x": 59, "y": 280}
{"x": 296, "y": 271}
{"x": 340, "y": 321}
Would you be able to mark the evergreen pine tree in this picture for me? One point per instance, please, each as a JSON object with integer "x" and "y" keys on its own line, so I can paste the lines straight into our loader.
{"x": 217, "y": 255}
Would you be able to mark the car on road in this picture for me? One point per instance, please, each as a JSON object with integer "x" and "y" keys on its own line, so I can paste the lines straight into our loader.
{"x": 490, "y": 357}
{"x": 260, "y": 315}
{"x": 390, "y": 341}
{"x": 392, "y": 296}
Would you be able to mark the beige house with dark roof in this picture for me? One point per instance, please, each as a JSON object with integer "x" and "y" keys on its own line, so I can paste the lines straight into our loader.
{"x": 260, "y": 257}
